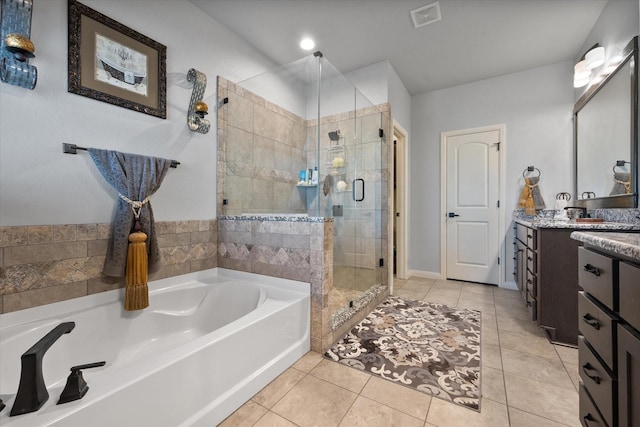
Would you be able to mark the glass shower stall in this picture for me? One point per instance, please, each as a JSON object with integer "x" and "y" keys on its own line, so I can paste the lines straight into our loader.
{"x": 314, "y": 147}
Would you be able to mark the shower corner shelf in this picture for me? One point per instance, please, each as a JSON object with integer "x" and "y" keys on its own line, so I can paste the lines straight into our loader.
{"x": 306, "y": 185}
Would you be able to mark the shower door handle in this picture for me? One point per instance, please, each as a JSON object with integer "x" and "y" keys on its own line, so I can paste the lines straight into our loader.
{"x": 355, "y": 191}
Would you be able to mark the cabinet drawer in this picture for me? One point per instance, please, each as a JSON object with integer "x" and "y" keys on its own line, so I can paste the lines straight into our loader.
{"x": 589, "y": 415}
{"x": 531, "y": 261}
{"x": 630, "y": 294}
{"x": 595, "y": 276}
{"x": 597, "y": 381}
{"x": 526, "y": 235}
{"x": 532, "y": 307}
{"x": 598, "y": 327}
{"x": 521, "y": 233}
{"x": 532, "y": 283}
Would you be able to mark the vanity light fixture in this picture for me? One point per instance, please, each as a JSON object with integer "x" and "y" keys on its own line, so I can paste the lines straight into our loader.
{"x": 581, "y": 74}
{"x": 591, "y": 60}
{"x": 307, "y": 43}
{"x": 595, "y": 57}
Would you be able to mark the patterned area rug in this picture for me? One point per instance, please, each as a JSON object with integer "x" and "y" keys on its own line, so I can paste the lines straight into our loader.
{"x": 429, "y": 347}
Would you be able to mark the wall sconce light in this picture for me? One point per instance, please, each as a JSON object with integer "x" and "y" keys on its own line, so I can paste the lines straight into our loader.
{"x": 591, "y": 60}
{"x": 197, "y": 108}
{"x": 15, "y": 46}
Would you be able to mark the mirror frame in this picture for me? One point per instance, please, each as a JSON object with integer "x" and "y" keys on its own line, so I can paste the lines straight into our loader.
{"x": 629, "y": 54}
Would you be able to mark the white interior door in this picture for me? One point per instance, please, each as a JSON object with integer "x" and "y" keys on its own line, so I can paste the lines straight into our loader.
{"x": 472, "y": 207}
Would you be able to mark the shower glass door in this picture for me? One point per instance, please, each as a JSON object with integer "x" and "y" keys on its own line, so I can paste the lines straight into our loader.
{"x": 350, "y": 153}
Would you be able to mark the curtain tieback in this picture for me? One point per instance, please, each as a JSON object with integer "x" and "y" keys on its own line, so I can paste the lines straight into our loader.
{"x": 136, "y": 206}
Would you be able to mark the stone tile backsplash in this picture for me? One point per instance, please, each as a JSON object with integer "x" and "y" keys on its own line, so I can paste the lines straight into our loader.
{"x": 49, "y": 263}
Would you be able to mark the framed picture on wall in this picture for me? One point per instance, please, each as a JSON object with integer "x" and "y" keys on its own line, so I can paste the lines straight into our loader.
{"x": 113, "y": 63}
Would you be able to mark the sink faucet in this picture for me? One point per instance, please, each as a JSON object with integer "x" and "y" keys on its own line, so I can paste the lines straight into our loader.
{"x": 32, "y": 391}
{"x": 583, "y": 211}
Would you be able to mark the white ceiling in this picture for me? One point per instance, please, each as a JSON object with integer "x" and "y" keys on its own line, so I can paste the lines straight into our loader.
{"x": 475, "y": 40}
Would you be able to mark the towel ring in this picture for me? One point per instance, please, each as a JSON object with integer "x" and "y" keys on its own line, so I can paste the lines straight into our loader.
{"x": 620, "y": 163}
{"x": 531, "y": 169}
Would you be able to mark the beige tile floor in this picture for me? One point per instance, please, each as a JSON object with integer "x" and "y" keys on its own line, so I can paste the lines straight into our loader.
{"x": 526, "y": 381}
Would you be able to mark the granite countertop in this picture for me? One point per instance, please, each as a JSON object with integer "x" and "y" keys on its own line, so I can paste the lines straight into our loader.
{"x": 276, "y": 217}
{"x": 551, "y": 223}
{"x": 626, "y": 244}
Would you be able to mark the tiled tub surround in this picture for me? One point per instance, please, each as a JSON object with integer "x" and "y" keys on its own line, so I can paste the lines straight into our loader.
{"x": 48, "y": 263}
{"x": 297, "y": 248}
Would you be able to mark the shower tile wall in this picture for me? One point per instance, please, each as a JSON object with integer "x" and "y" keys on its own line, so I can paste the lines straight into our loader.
{"x": 48, "y": 263}
{"x": 261, "y": 149}
{"x": 356, "y": 264}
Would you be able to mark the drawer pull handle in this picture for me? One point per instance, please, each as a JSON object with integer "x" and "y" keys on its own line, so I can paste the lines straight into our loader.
{"x": 529, "y": 236}
{"x": 591, "y": 269}
{"x": 591, "y": 321}
{"x": 588, "y": 418}
{"x": 530, "y": 258}
{"x": 586, "y": 368}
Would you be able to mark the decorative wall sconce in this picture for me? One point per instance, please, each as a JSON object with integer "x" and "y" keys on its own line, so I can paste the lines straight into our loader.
{"x": 591, "y": 60}
{"x": 15, "y": 46}
{"x": 197, "y": 108}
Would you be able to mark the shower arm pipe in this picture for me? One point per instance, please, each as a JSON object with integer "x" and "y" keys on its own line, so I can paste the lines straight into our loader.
{"x": 73, "y": 149}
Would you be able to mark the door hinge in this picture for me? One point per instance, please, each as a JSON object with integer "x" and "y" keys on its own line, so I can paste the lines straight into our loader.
{"x": 497, "y": 144}
{"x": 381, "y": 133}
{"x": 498, "y": 203}
{"x": 381, "y": 263}
{"x": 498, "y": 260}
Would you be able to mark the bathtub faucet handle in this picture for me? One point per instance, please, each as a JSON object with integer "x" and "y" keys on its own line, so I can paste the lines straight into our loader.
{"x": 32, "y": 391}
{"x": 76, "y": 386}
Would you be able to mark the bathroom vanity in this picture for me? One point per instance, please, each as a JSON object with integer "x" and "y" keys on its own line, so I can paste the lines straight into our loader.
{"x": 609, "y": 324}
{"x": 544, "y": 254}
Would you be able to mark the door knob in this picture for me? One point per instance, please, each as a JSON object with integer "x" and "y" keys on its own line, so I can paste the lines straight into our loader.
{"x": 452, "y": 214}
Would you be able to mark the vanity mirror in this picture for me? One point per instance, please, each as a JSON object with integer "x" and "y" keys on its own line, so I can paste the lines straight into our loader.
{"x": 606, "y": 137}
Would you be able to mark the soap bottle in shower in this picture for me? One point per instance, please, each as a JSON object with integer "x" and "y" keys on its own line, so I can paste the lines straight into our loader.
{"x": 314, "y": 176}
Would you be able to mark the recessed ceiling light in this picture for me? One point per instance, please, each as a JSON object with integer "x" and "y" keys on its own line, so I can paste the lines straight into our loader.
{"x": 307, "y": 43}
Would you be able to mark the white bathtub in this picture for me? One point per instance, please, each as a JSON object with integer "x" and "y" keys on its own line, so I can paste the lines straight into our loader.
{"x": 206, "y": 344}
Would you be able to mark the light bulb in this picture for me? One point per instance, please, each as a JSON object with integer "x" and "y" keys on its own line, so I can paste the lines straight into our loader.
{"x": 307, "y": 44}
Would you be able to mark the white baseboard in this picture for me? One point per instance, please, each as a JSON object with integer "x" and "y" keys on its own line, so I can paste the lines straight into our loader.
{"x": 424, "y": 274}
{"x": 510, "y": 285}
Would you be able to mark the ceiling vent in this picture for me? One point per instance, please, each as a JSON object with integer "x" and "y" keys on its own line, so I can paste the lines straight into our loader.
{"x": 426, "y": 15}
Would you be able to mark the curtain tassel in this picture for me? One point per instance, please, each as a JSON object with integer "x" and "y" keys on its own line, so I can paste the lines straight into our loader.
{"x": 137, "y": 272}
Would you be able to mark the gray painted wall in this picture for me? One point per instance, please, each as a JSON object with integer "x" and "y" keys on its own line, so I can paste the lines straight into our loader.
{"x": 41, "y": 185}
{"x": 535, "y": 106}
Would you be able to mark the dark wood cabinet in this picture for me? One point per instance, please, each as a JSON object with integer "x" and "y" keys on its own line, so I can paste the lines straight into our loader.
{"x": 628, "y": 377}
{"x": 526, "y": 267}
{"x": 609, "y": 344}
{"x": 558, "y": 284}
{"x": 545, "y": 274}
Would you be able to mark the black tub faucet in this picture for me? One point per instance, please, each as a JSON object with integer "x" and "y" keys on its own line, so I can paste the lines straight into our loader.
{"x": 32, "y": 391}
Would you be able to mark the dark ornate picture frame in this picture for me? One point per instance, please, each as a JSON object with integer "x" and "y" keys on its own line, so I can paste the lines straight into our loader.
{"x": 143, "y": 90}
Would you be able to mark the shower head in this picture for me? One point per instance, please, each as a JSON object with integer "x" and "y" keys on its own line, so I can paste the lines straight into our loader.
{"x": 335, "y": 135}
